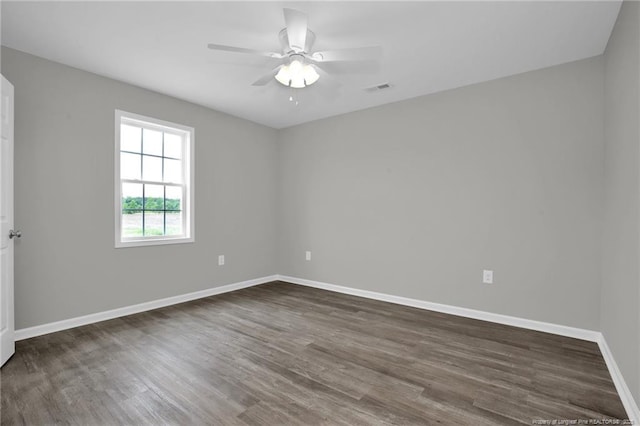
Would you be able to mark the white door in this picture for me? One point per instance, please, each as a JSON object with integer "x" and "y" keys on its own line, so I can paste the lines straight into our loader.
{"x": 7, "y": 344}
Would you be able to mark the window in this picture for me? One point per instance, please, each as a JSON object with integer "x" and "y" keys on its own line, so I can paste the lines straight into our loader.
{"x": 154, "y": 181}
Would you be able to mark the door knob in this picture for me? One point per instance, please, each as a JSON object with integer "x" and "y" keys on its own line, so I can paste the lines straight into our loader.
{"x": 16, "y": 234}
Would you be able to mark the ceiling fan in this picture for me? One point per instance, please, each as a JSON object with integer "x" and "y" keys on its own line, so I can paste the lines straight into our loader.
{"x": 300, "y": 66}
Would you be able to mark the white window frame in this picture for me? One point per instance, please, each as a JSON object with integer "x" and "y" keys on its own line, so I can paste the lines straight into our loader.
{"x": 188, "y": 179}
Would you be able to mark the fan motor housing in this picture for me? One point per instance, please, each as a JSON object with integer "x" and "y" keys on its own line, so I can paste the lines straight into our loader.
{"x": 284, "y": 41}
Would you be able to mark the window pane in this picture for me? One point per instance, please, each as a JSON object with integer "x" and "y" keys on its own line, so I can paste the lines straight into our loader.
{"x": 152, "y": 160}
{"x": 152, "y": 142}
{"x": 132, "y": 224}
{"x": 151, "y": 168}
{"x": 131, "y": 196}
{"x": 174, "y": 198}
{"x": 129, "y": 166}
{"x": 153, "y": 223}
{"x": 172, "y": 145}
{"x": 153, "y": 197}
{"x": 172, "y": 171}
{"x": 174, "y": 223}
{"x": 130, "y": 138}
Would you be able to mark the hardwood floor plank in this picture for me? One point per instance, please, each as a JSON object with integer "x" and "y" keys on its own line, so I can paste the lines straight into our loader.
{"x": 279, "y": 353}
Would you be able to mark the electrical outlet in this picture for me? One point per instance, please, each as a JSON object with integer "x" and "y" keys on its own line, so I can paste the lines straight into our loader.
{"x": 487, "y": 276}
{"x": 221, "y": 260}
{"x": 308, "y": 255}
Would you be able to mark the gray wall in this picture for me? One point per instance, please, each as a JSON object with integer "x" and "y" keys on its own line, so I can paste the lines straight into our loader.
{"x": 620, "y": 321}
{"x": 416, "y": 198}
{"x": 66, "y": 263}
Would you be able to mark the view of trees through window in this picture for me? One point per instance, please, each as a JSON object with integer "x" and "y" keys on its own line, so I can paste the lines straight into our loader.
{"x": 160, "y": 216}
{"x": 130, "y": 204}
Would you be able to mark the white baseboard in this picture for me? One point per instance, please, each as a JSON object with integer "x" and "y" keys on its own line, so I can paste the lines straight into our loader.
{"x": 594, "y": 336}
{"x": 52, "y": 327}
{"x": 546, "y": 327}
{"x": 621, "y": 386}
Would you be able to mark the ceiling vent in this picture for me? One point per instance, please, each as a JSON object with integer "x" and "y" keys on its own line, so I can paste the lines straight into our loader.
{"x": 378, "y": 87}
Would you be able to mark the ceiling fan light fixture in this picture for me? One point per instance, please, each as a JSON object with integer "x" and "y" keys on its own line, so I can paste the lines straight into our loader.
{"x": 295, "y": 67}
{"x": 296, "y": 70}
{"x": 310, "y": 75}
{"x": 297, "y": 81}
{"x": 284, "y": 76}
{"x": 297, "y": 75}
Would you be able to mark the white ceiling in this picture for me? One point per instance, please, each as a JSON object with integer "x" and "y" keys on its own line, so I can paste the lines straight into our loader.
{"x": 427, "y": 46}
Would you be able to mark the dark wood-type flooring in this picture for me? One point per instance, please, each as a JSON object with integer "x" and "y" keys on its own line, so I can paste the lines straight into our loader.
{"x": 281, "y": 354}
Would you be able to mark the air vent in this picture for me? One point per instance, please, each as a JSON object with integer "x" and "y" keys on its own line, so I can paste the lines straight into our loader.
{"x": 377, "y": 87}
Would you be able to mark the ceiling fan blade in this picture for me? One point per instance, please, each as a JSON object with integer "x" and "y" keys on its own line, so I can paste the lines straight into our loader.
{"x": 267, "y": 78}
{"x": 296, "y": 23}
{"x": 354, "y": 54}
{"x": 350, "y": 67}
{"x": 243, "y": 50}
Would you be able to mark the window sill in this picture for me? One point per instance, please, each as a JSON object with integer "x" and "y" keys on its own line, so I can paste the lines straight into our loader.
{"x": 153, "y": 242}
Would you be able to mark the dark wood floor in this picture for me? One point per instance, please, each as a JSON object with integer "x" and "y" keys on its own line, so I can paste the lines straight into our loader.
{"x": 284, "y": 354}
